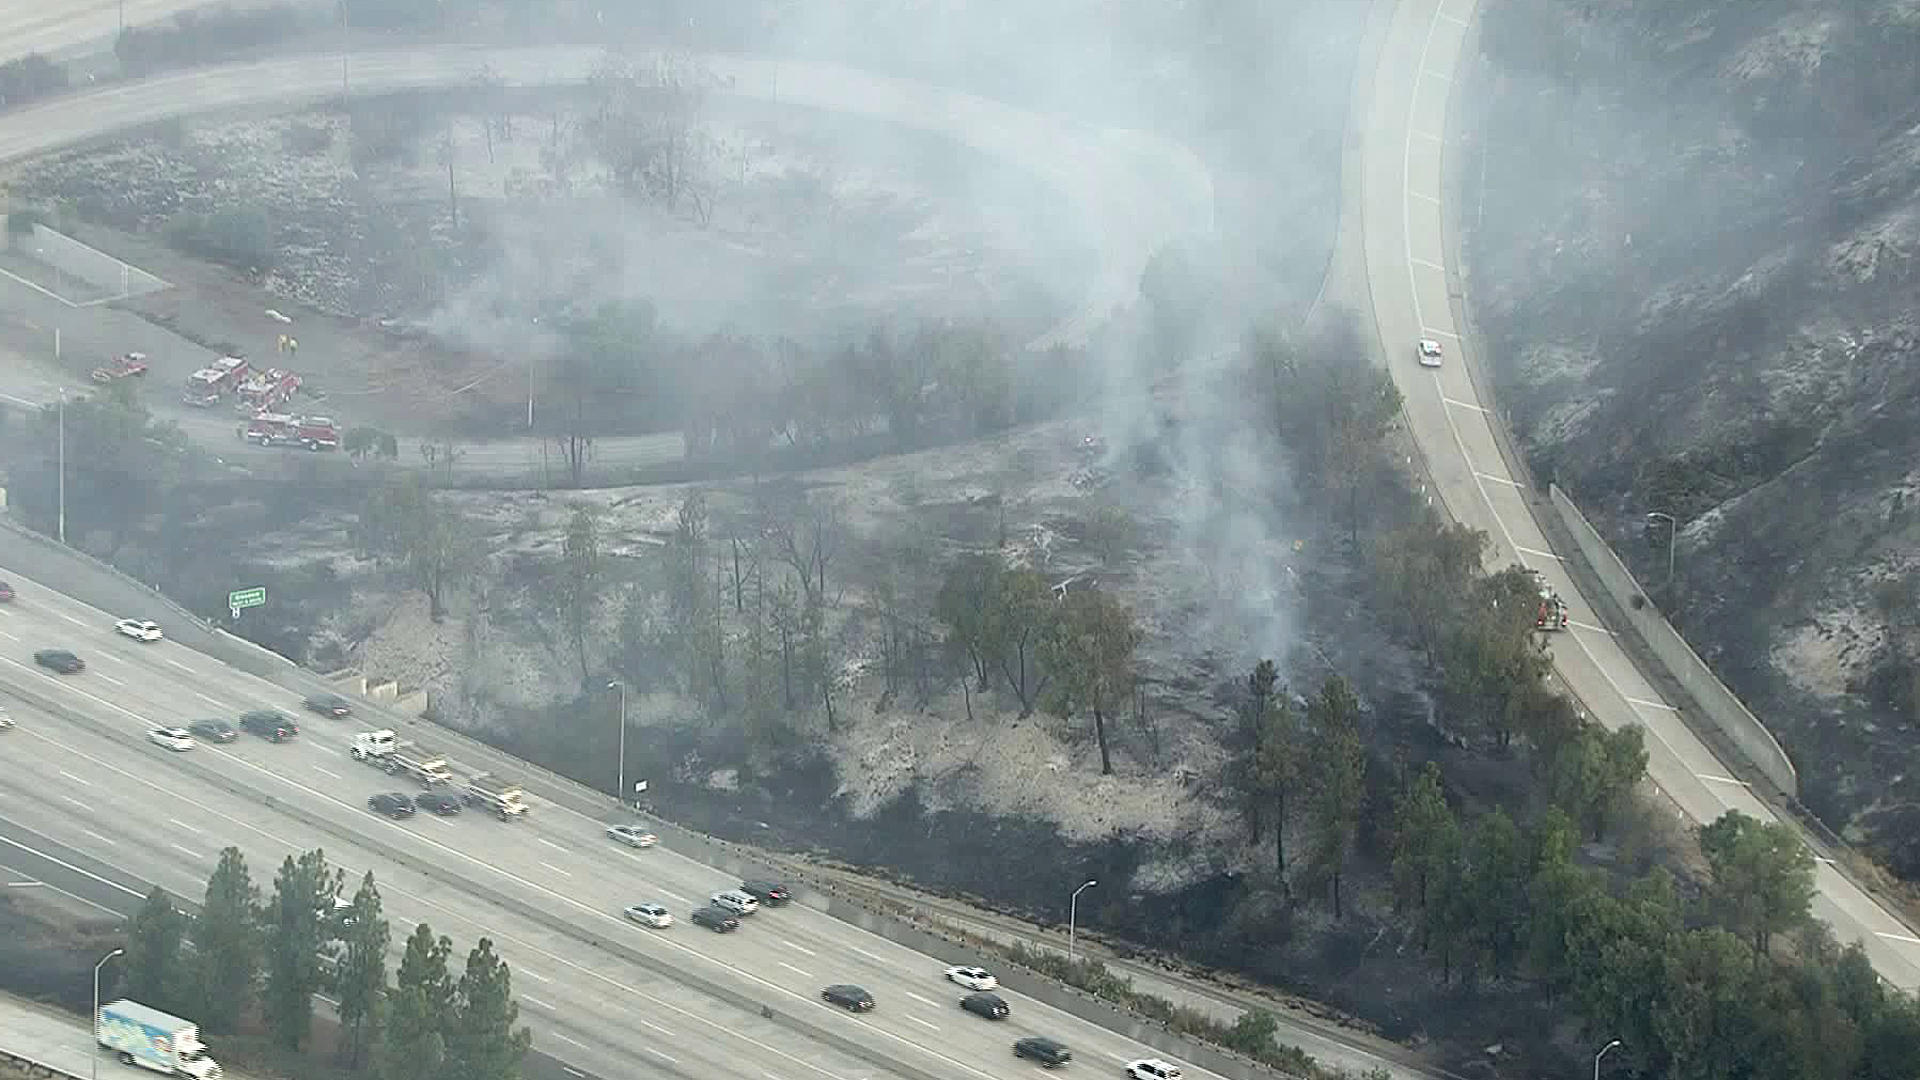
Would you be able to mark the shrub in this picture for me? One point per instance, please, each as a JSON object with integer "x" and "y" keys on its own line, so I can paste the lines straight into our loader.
{"x": 30, "y": 78}
{"x": 241, "y": 238}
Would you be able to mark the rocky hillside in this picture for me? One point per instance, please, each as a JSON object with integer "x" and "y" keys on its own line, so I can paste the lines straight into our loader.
{"x": 1698, "y": 292}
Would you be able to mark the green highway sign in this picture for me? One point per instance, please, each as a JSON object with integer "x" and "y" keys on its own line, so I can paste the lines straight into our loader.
{"x": 246, "y": 598}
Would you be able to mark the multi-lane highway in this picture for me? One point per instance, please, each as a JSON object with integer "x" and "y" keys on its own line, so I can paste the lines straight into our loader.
{"x": 549, "y": 889}
{"x": 1398, "y": 195}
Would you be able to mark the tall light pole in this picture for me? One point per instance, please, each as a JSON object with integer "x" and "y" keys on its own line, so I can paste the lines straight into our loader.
{"x": 1601, "y": 1054}
{"x": 1073, "y": 914}
{"x": 1673, "y": 533}
{"x": 62, "y": 426}
{"x": 620, "y": 784}
{"x": 94, "y": 1054}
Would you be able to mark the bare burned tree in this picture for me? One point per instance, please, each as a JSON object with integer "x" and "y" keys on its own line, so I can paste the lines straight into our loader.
{"x": 805, "y": 534}
{"x": 646, "y": 126}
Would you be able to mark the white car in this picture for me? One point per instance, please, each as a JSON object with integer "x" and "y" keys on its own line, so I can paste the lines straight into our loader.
{"x": 172, "y": 738}
{"x": 973, "y": 978}
{"x": 632, "y": 836}
{"x": 1152, "y": 1069}
{"x": 650, "y": 915}
{"x": 138, "y": 629}
{"x": 1428, "y": 352}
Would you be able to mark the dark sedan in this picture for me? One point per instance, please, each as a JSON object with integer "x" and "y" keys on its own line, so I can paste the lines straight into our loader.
{"x": 59, "y": 660}
{"x": 991, "y": 1006}
{"x": 438, "y": 802}
{"x": 213, "y": 730}
{"x": 329, "y": 705}
{"x": 770, "y": 893}
{"x": 269, "y": 725}
{"x": 849, "y": 997}
{"x": 393, "y": 804}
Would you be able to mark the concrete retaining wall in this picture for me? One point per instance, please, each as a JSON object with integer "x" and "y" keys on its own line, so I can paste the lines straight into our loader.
{"x": 89, "y": 264}
{"x": 1710, "y": 696}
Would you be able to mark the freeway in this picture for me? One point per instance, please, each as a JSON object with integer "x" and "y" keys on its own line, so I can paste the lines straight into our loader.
{"x": 61, "y": 1041}
{"x": 549, "y": 889}
{"x": 1398, "y": 194}
{"x": 59, "y": 28}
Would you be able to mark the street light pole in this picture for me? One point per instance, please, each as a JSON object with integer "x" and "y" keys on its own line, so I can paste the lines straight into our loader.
{"x": 62, "y": 426}
{"x": 620, "y": 789}
{"x": 94, "y": 1053}
{"x": 1073, "y": 914}
{"x": 1601, "y": 1054}
{"x": 1673, "y": 533}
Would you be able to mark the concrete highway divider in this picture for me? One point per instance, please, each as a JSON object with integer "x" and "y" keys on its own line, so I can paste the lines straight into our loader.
{"x": 22, "y": 1065}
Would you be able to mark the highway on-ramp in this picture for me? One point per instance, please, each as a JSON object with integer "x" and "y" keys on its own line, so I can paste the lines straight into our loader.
{"x": 597, "y": 990}
{"x": 1399, "y": 193}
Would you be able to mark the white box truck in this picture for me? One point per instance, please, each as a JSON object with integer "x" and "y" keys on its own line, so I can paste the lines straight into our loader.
{"x": 155, "y": 1040}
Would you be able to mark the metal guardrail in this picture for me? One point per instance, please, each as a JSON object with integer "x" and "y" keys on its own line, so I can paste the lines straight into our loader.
{"x": 33, "y": 1067}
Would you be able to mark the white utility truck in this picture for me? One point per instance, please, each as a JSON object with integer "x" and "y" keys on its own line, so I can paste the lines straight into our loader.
{"x": 397, "y": 755}
{"x": 154, "y": 1040}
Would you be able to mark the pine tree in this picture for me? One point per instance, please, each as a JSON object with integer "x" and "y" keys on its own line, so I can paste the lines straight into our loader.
{"x": 413, "y": 1045}
{"x": 361, "y": 983}
{"x": 154, "y": 937}
{"x": 226, "y": 939}
{"x": 482, "y": 1042}
{"x": 303, "y": 895}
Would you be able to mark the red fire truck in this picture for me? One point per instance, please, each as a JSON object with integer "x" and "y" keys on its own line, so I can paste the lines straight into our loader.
{"x": 215, "y": 381}
{"x": 126, "y": 365}
{"x": 264, "y": 390}
{"x": 280, "y": 429}
{"x": 1551, "y": 614}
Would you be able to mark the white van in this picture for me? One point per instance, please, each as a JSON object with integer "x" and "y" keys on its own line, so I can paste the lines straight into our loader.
{"x": 736, "y": 901}
{"x": 1153, "y": 1069}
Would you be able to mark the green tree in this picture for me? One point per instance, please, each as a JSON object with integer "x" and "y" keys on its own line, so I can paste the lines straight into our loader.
{"x": 606, "y": 359}
{"x": 296, "y": 920}
{"x": 482, "y": 1042}
{"x": 1339, "y": 764}
{"x": 1592, "y": 773}
{"x": 1277, "y": 756}
{"x": 1426, "y": 571}
{"x": 437, "y": 544}
{"x": 693, "y": 605}
{"x": 1492, "y": 661}
{"x": 1087, "y": 647}
{"x": 226, "y": 940}
{"x": 1762, "y": 876}
{"x": 154, "y": 939}
{"x": 1702, "y": 1017}
{"x": 1023, "y": 608}
{"x": 1425, "y": 835}
{"x": 421, "y": 1008}
{"x": 1497, "y": 856}
{"x": 361, "y": 983}
{"x": 965, "y": 603}
{"x": 581, "y": 582}
{"x": 1110, "y": 532}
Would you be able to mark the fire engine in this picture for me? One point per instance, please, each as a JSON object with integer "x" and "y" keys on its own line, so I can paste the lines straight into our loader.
{"x": 1551, "y": 614}
{"x": 215, "y": 381}
{"x": 133, "y": 364}
{"x": 264, "y": 390}
{"x": 280, "y": 429}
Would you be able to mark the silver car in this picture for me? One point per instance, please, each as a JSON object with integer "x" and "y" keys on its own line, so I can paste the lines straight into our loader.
{"x": 632, "y": 836}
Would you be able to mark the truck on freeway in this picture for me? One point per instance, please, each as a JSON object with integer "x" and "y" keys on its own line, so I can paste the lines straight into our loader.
{"x": 151, "y": 1039}
{"x": 387, "y": 751}
{"x": 497, "y": 794}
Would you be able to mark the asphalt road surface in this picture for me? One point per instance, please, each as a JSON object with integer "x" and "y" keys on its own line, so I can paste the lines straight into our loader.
{"x": 1406, "y": 256}
{"x": 549, "y": 889}
{"x": 61, "y": 1040}
{"x": 1128, "y": 192}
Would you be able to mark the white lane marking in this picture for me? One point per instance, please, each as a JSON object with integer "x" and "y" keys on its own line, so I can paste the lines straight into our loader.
{"x": 1908, "y": 938}
{"x": 668, "y": 1058}
{"x": 1428, "y": 264}
{"x": 1709, "y": 777}
{"x": 866, "y": 954}
{"x": 1498, "y": 479}
{"x": 8, "y": 636}
{"x": 571, "y": 1071}
{"x": 21, "y": 400}
{"x": 921, "y": 1000}
{"x": 326, "y": 772}
{"x": 74, "y": 801}
{"x": 531, "y": 1000}
{"x": 1454, "y": 19}
{"x": 1825, "y": 860}
{"x": 1458, "y": 404}
{"x": 532, "y": 975}
{"x": 1435, "y": 332}
{"x": 109, "y": 678}
{"x": 568, "y": 1039}
{"x": 62, "y": 863}
{"x": 1536, "y": 553}
{"x": 924, "y": 1024}
{"x": 1427, "y": 135}
{"x": 181, "y": 666}
{"x": 186, "y": 851}
{"x": 1424, "y": 197}
{"x": 795, "y": 970}
{"x": 798, "y": 948}
{"x": 28, "y": 884}
{"x": 557, "y": 870}
{"x": 71, "y": 619}
{"x": 656, "y": 1027}
{"x": 1591, "y": 628}
{"x": 186, "y": 826}
{"x": 1645, "y": 704}
{"x": 212, "y": 700}
{"x": 675, "y": 897}
{"x": 75, "y": 779}
{"x": 553, "y": 845}
{"x": 1436, "y": 75}
{"x": 456, "y": 854}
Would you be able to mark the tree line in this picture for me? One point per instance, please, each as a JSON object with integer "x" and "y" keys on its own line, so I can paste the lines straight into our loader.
{"x": 243, "y": 952}
{"x": 1690, "y": 977}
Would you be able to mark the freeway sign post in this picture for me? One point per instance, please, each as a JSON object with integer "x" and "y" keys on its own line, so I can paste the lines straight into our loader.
{"x": 245, "y": 598}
